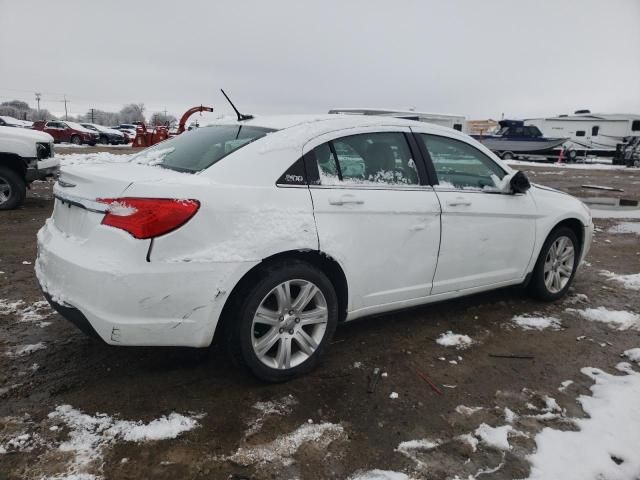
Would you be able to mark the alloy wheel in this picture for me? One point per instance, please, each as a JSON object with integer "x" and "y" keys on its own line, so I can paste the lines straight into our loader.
{"x": 289, "y": 324}
{"x": 558, "y": 265}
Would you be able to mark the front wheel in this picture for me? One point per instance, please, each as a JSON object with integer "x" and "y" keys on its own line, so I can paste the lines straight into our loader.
{"x": 76, "y": 140}
{"x": 556, "y": 265}
{"x": 13, "y": 189}
{"x": 286, "y": 321}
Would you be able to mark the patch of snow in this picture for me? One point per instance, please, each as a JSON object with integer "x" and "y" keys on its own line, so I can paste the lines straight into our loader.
{"x": 411, "y": 448}
{"x": 284, "y": 447}
{"x": 393, "y": 395}
{"x": 619, "y": 319}
{"x": 450, "y": 339}
{"x": 527, "y": 322}
{"x": 563, "y": 386}
{"x": 22, "y": 350}
{"x": 34, "y": 313}
{"x": 357, "y": 364}
{"x": 626, "y": 227}
{"x": 279, "y": 407}
{"x": 631, "y": 281}
{"x": 464, "y": 410}
{"x": 379, "y": 475}
{"x": 496, "y": 437}
{"x": 633, "y": 354}
{"x": 89, "y": 436}
{"x": 469, "y": 440}
{"x": 509, "y": 415}
{"x": 606, "y": 442}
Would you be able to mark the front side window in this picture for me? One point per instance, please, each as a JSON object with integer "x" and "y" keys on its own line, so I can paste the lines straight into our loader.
{"x": 594, "y": 131}
{"x": 461, "y": 166}
{"x": 198, "y": 149}
{"x": 580, "y": 133}
{"x": 367, "y": 159}
{"x": 635, "y": 126}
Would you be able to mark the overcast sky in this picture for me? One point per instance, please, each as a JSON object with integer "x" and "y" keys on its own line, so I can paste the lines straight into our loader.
{"x": 470, "y": 57}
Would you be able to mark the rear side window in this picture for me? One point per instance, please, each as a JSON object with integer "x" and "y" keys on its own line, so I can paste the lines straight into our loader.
{"x": 594, "y": 131}
{"x": 198, "y": 149}
{"x": 635, "y": 126}
{"x": 459, "y": 165}
{"x": 367, "y": 159}
{"x": 580, "y": 133}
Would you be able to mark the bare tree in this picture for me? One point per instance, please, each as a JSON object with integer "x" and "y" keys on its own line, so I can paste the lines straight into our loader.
{"x": 134, "y": 112}
{"x": 160, "y": 118}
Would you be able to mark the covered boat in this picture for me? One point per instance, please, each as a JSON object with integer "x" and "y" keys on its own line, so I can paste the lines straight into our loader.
{"x": 514, "y": 138}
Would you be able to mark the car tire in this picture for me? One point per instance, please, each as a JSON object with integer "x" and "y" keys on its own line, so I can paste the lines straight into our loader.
{"x": 551, "y": 277}
{"x": 13, "y": 189}
{"x": 293, "y": 338}
{"x": 507, "y": 156}
{"x": 75, "y": 139}
{"x": 572, "y": 155}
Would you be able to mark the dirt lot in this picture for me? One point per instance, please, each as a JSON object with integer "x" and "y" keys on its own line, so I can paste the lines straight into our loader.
{"x": 352, "y": 429}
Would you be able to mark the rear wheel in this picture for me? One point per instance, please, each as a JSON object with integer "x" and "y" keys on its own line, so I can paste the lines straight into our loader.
{"x": 13, "y": 189}
{"x": 507, "y": 156}
{"x": 556, "y": 265}
{"x": 286, "y": 322}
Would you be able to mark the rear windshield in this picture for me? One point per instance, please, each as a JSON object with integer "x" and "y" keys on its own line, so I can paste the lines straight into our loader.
{"x": 200, "y": 148}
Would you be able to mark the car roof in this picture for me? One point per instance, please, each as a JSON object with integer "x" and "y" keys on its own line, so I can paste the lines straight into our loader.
{"x": 315, "y": 125}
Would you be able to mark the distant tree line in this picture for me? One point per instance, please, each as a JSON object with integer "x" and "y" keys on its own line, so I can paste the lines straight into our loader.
{"x": 133, "y": 112}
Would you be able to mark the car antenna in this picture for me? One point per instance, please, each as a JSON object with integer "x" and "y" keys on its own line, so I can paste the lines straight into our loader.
{"x": 241, "y": 116}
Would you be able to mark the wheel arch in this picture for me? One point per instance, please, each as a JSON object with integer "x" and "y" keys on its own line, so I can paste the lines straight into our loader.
{"x": 325, "y": 263}
{"x": 573, "y": 224}
{"x": 14, "y": 162}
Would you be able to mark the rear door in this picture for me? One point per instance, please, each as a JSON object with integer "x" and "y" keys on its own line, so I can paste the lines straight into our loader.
{"x": 376, "y": 214}
{"x": 487, "y": 237}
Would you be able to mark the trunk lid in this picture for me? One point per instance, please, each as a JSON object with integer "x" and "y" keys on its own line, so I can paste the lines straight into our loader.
{"x": 76, "y": 210}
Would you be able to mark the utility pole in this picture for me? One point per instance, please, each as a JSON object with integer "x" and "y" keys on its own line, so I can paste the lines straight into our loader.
{"x": 165, "y": 117}
{"x": 92, "y": 116}
{"x": 38, "y": 95}
{"x": 65, "y": 107}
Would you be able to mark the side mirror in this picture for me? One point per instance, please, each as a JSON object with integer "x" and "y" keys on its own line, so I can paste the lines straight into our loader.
{"x": 519, "y": 182}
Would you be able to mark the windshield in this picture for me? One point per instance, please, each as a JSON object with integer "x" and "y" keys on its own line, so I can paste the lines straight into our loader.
{"x": 200, "y": 148}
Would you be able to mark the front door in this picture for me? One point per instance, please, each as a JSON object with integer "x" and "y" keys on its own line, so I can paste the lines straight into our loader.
{"x": 487, "y": 237}
{"x": 376, "y": 215}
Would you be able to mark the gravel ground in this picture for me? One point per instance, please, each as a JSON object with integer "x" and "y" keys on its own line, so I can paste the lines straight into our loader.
{"x": 327, "y": 424}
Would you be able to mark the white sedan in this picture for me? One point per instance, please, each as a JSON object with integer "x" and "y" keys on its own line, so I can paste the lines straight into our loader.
{"x": 273, "y": 230}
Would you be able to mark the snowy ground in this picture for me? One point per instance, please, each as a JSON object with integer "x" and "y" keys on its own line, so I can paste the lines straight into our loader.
{"x": 495, "y": 386}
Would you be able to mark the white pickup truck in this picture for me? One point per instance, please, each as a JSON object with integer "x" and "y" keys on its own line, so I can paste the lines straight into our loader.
{"x": 25, "y": 155}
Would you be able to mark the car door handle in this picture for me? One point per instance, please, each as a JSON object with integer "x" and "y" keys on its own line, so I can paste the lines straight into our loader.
{"x": 347, "y": 199}
{"x": 459, "y": 202}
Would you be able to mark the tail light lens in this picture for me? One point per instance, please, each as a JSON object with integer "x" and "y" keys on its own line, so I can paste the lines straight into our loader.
{"x": 148, "y": 217}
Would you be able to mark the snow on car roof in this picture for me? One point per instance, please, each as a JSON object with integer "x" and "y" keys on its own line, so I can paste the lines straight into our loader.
{"x": 77, "y": 126}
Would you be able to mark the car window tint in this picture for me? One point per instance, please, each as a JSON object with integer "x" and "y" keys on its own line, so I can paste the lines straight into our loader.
{"x": 367, "y": 159}
{"x": 460, "y": 165}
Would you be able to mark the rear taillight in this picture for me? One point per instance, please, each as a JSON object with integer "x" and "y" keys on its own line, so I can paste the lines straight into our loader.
{"x": 148, "y": 217}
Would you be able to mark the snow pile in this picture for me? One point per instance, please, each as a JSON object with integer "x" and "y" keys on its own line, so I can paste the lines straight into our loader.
{"x": 22, "y": 350}
{"x": 412, "y": 448}
{"x": 379, "y": 475}
{"x": 464, "y": 410}
{"x": 631, "y": 281}
{"x": 451, "y": 339}
{"x": 626, "y": 227}
{"x": 536, "y": 323}
{"x": 619, "y": 319}
{"x": 496, "y": 437}
{"x": 34, "y": 313}
{"x": 89, "y": 436}
{"x": 276, "y": 407}
{"x": 284, "y": 447}
{"x": 633, "y": 354}
{"x": 607, "y": 442}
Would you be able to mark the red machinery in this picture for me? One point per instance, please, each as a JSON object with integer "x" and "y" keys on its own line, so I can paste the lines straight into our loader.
{"x": 145, "y": 138}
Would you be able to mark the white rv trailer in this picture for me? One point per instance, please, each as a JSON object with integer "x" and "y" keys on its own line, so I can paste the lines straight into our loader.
{"x": 590, "y": 133}
{"x": 457, "y": 122}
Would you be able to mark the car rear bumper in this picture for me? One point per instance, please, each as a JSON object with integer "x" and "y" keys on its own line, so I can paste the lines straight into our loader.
{"x": 132, "y": 302}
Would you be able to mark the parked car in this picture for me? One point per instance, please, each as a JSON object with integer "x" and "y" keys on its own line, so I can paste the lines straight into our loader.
{"x": 68, "y": 132}
{"x": 25, "y": 156}
{"x": 6, "y": 121}
{"x": 273, "y": 230}
{"x": 107, "y": 136}
{"x": 128, "y": 129}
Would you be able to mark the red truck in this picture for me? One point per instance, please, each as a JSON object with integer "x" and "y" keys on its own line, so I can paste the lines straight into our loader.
{"x": 68, "y": 132}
